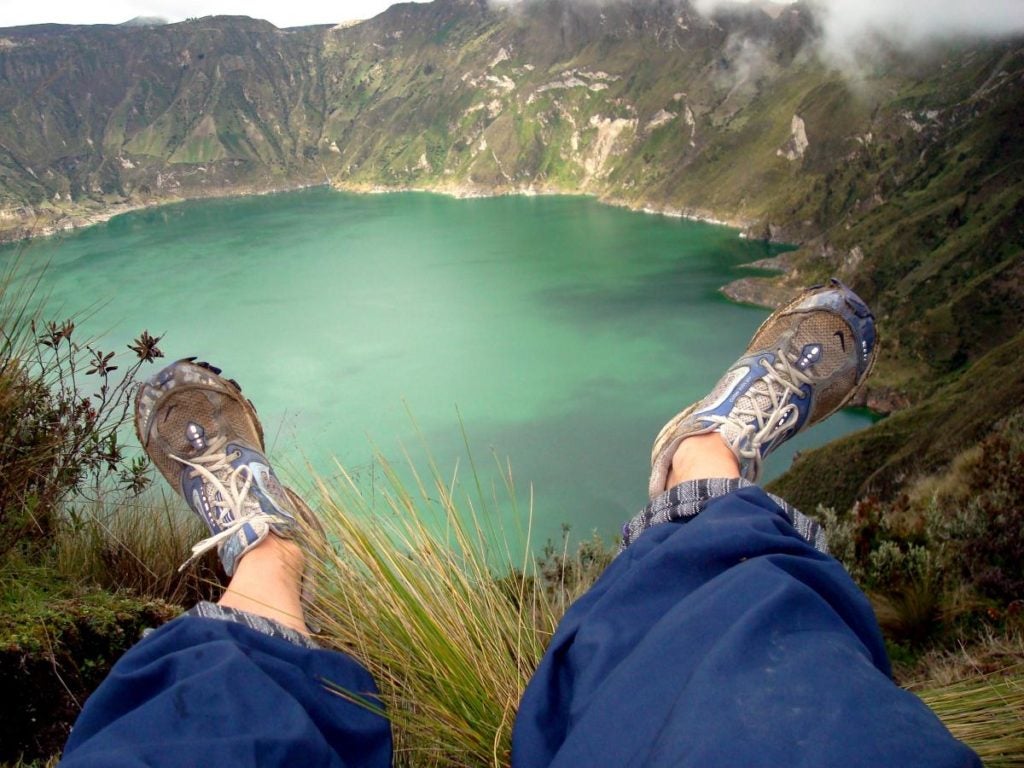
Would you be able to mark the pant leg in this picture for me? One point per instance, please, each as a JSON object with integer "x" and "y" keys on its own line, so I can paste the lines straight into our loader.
{"x": 724, "y": 638}
{"x": 205, "y": 691}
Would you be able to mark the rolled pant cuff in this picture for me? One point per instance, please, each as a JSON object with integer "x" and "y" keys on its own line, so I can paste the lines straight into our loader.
{"x": 686, "y": 500}
{"x": 261, "y": 624}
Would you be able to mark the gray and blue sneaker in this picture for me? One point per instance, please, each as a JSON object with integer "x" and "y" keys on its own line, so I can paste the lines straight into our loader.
{"x": 803, "y": 364}
{"x": 206, "y": 440}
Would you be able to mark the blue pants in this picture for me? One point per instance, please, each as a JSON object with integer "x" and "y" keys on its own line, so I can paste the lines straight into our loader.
{"x": 722, "y": 638}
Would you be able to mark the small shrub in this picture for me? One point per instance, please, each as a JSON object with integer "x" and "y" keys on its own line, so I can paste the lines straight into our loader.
{"x": 993, "y": 525}
{"x": 62, "y": 408}
{"x": 947, "y": 556}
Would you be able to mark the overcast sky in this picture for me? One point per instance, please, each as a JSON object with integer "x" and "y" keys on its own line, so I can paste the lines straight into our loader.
{"x": 282, "y": 13}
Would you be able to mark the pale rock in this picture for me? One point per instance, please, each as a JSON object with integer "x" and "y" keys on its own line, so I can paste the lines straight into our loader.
{"x": 691, "y": 121}
{"x": 661, "y": 117}
{"x": 914, "y": 125}
{"x": 503, "y": 83}
{"x": 609, "y": 131}
{"x": 854, "y": 259}
{"x": 501, "y": 56}
{"x": 797, "y": 145}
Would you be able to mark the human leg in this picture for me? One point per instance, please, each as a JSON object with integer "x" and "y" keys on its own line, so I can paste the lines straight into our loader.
{"x": 268, "y": 582}
{"x": 239, "y": 682}
{"x": 723, "y": 634}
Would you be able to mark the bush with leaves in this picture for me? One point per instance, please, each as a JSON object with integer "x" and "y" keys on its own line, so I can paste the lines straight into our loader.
{"x": 949, "y": 553}
{"x": 62, "y": 409}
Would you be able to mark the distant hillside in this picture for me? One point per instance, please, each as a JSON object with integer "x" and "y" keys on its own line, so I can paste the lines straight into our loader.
{"x": 906, "y": 180}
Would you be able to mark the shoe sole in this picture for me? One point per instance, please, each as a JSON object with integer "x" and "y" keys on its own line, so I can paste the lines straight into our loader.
{"x": 152, "y": 396}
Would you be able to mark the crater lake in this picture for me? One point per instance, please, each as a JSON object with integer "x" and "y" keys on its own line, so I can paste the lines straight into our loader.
{"x": 557, "y": 334}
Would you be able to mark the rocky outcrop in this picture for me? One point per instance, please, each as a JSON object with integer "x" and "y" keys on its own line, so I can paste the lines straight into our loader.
{"x": 760, "y": 291}
{"x": 797, "y": 145}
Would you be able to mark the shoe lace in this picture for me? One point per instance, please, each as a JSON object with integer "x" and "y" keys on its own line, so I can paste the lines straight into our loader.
{"x": 232, "y": 485}
{"x": 752, "y": 424}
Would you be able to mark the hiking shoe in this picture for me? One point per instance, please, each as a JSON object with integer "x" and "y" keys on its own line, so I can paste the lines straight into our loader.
{"x": 206, "y": 440}
{"x": 804, "y": 363}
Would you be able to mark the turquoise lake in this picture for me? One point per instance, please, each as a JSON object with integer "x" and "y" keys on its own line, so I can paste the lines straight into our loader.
{"x": 562, "y": 332}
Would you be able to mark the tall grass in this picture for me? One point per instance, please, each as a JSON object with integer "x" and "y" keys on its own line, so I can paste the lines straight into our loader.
{"x": 451, "y": 634}
{"x": 135, "y": 543}
{"x": 985, "y": 711}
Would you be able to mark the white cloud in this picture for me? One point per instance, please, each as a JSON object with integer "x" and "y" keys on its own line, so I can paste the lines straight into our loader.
{"x": 282, "y": 14}
{"x": 850, "y": 27}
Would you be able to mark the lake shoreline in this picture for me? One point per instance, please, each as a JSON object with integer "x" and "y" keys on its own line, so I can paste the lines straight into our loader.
{"x": 80, "y": 218}
{"x": 762, "y": 292}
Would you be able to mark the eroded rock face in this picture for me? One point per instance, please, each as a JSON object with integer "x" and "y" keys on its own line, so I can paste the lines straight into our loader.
{"x": 609, "y": 132}
{"x": 797, "y": 145}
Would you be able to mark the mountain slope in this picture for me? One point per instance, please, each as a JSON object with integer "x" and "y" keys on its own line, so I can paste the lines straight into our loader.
{"x": 905, "y": 180}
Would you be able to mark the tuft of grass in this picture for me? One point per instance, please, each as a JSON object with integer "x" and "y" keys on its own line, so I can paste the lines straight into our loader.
{"x": 985, "y": 711}
{"x": 135, "y": 544}
{"x": 451, "y": 633}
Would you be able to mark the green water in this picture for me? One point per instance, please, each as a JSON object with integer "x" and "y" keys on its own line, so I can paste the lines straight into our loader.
{"x": 564, "y": 332}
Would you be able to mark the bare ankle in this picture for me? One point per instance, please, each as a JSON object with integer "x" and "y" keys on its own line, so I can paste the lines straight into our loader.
{"x": 268, "y": 582}
{"x": 702, "y": 456}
